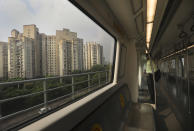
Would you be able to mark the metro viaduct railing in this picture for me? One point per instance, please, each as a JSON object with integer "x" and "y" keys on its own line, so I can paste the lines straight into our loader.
{"x": 46, "y": 90}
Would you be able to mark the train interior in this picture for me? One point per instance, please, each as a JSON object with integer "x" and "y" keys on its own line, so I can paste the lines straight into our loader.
{"x": 125, "y": 104}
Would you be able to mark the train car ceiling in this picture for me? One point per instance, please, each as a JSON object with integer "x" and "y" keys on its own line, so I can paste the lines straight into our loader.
{"x": 178, "y": 18}
{"x": 125, "y": 19}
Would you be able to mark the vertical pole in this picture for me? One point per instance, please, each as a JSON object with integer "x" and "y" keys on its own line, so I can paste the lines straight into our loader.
{"x": 106, "y": 76}
{"x": 61, "y": 80}
{"x": 88, "y": 81}
{"x": 99, "y": 79}
{"x": 72, "y": 82}
{"x": 0, "y": 111}
{"x": 188, "y": 80}
{"x": 45, "y": 93}
{"x": 0, "y": 105}
{"x": 153, "y": 74}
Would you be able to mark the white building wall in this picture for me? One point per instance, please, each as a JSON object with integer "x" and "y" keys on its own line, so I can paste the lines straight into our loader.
{"x": 93, "y": 55}
{"x": 51, "y": 56}
{"x": 65, "y": 57}
{"x": 3, "y": 60}
{"x": 20, "y": 57}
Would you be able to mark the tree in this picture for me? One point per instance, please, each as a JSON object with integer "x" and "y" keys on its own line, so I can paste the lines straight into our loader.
{"x": 98, "y": 68}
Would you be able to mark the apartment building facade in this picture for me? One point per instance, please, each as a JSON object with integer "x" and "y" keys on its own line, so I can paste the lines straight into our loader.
{"x": 31, "y": 31}
{"x": 65, "y": 57}
{"x": 21, "y": 56}
{"x": 3, "y": 60}
{"x": 79, "y": 50}
{"x": 32, "y": 54}
{"x": 93, "y": 55}
{"x": 76, "y": 49}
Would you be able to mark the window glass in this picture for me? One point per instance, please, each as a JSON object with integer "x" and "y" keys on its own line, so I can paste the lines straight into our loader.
{"x": 173, "y": 64}
{"x": 166, "y": 67}
{"x": 182, "y": 60}
{"x": 191, "y": 64}
{"x": 181, "y": 67}
{"x": 172, "y": 67}
{"x": 50, "y": 53}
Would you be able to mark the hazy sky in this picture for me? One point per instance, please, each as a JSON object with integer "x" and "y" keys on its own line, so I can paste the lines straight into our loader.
{"x": 49, "y": 16}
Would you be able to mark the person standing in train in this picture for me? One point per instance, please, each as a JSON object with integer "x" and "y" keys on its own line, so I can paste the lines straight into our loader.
{"x": 150, "y": 69}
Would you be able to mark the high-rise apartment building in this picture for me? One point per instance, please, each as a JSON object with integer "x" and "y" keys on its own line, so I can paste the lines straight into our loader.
{"x": 63, "y": 35}
{"x": 79, "y": 53}
{"x": 20, "y": 56}
{"x": 74, "y": 55}
{"x": 31, "y": 54}
{"x": 51, "y": 56}
{"x": 3, "y": 60}
{"x": 48, "y": 54}
{"x": 31, "y": 31}
{"x": 93, "y": 55}
{"x": 65, "y": 57}
{"x": 87, "y": 56}
{"x": 76, "y": 49}
{"x": 44, "y": 65}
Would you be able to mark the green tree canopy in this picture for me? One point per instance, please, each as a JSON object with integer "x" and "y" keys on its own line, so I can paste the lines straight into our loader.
{"x": 98, "y": 68}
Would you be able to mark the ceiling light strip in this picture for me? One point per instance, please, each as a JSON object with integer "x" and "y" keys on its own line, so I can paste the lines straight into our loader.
{"x": 151, "y": 9}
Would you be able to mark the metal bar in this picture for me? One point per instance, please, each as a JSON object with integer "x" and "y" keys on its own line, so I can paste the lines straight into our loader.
{"x": 49, "y": 78}
{"x": 45, "y": 93}
{"x": 106, "y": 77}
{"x": 22, "y": 96}
{"x": 99, "y": 79}
{"x": 153, "y": 77}
{"x": 60, "y": 97}
{"x": 36, "y": 93}
{"x": 83, "y": 89}
{"x": 61, "y": 80}
{"x": 36, "y": 106}
{"x": 89, "y": 82}
{"x": 72, "y": 82}
{"x": 177, "y": 52}
{"x": 77, "y": 83}
{"x": 0, "y": 111}
{"x": 23, "y": 81}
{"x": 52, "y": 89}
{"x": 45, "y": 90}
{"x": 0, "y": 105}
{"x": 188, "y": 80}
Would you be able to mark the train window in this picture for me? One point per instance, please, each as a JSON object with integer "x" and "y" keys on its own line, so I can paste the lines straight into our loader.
{"x": 173, "y": 63}
{"x": 183, "y": 61}
{"x": 50, "y": 54}
{"x": 180, "y": 69}
{"x": 162, "y": 66}
{"x": 172, "y": 67}
{"x": 166, "y": 67}
{"x": 191, "y": 64}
